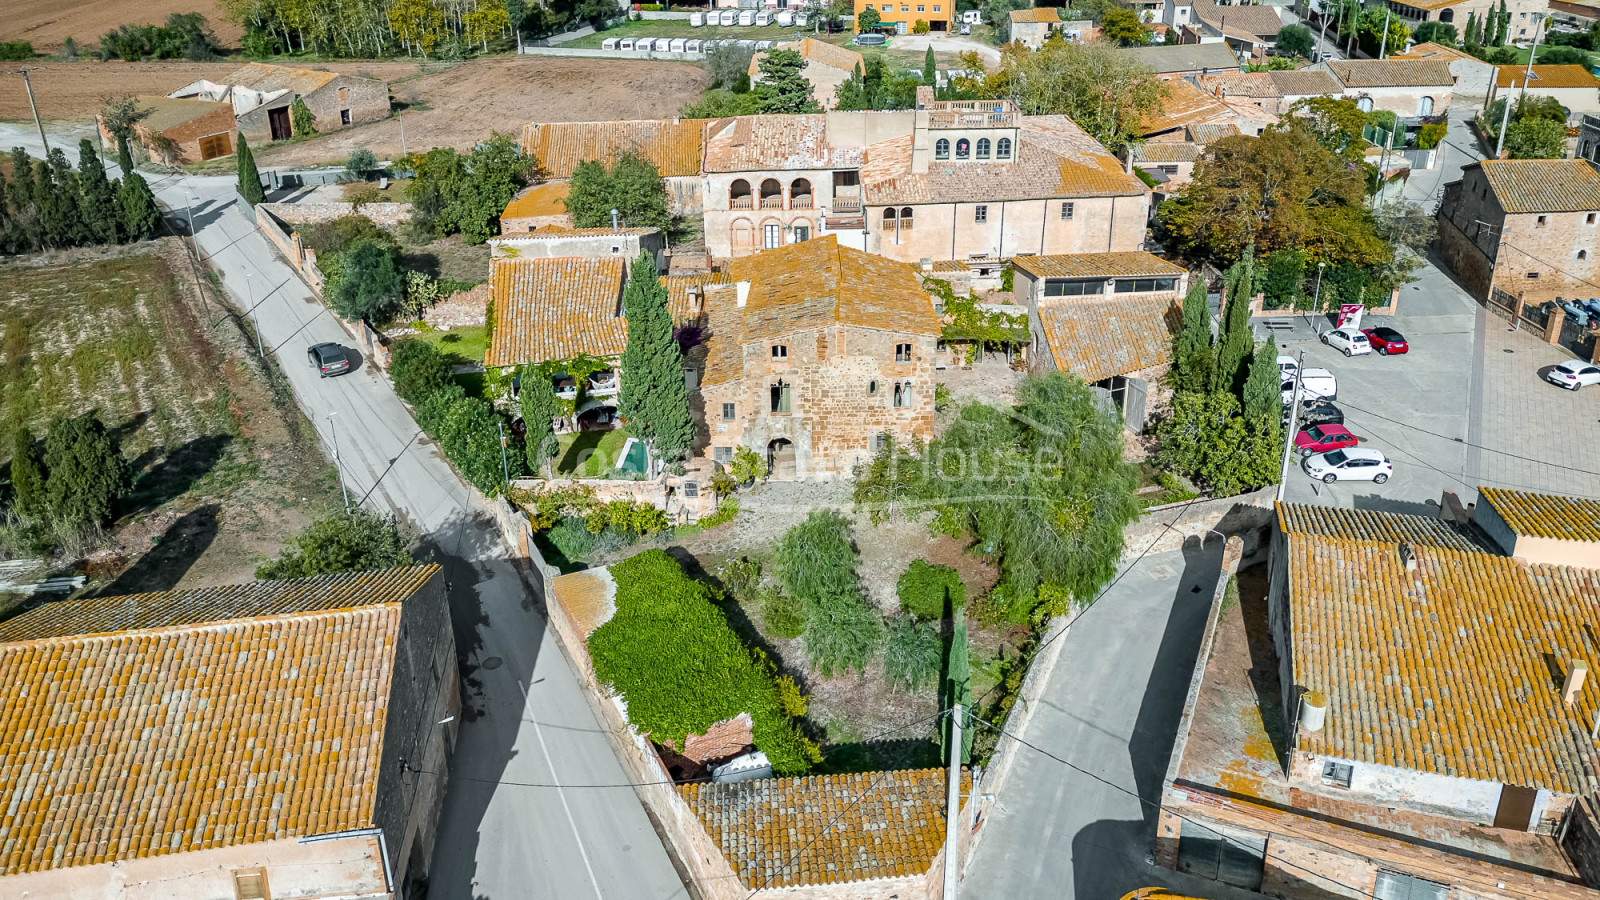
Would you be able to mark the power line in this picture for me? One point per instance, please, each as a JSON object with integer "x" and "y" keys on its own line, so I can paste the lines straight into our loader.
{"x": 1466, "y": 443}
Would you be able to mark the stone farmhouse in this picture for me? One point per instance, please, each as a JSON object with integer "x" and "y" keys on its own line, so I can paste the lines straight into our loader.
{"x": 1527, "y": 228}
{"x": 1108, "y": 318}
{"x": 956, "y": 180}
{"x": 1402, "y": 709}
{"x": 826, "y": 66}
{"x": 1273, "y": 93}
{"x": 272, "y": 739}
{"x": 261, "y": 95}
{"x": 1524, "y": 13}
{"x": 1249, "y": 31}
{"x": 1032, "y": 27}
{"x": 180, "y": 131}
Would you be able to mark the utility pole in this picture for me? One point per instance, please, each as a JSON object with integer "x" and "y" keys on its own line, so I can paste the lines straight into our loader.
{"x": 1527, "y": 74}
{"x": 1384, "y": 45}
{"x": 1322, "y": 38}
{"x": 1500, "y": 142}
{"x": 401, "y": 115}
{"x": 338, "y": 463}
{"x": 33, "y": 106}
{"x": 952, "y": 808}
{"x": 1294, "y": 417}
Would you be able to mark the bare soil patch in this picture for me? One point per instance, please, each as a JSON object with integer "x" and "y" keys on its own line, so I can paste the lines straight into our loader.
{"x": 225, "y": 466}
{"x": 49, "y": 22}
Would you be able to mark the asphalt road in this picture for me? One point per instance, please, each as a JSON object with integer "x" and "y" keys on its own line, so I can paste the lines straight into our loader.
{"x": 507, "y": 830}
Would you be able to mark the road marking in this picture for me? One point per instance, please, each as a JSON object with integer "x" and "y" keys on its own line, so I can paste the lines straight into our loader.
{"x": 562, "y": 793}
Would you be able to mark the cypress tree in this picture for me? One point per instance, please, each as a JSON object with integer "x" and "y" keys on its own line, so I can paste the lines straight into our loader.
{"x": 5, "y": 218}
{"x": 99, "y": 205}
{"x": 124, "y": 156}
{"x": 1263, "y": 391}
{"x": 1505, "y": 25}
{"x": 538, "y": 401}
{"x": 27, "y": 476}
{"x": 88, "y": 476}
{"x": 930, "y": 69}
{"x": 137, "y": 209}
{"x": 958, "y": 687}
{"x": 1470, "y": 34}
{"x": 55, "y": 222}
{"x": 1233, "y": 350}
{"x": 1192, "y": 353}
{"x": 249, "y": 176}
{"x": 22, "y": 186}
{"x": 654, "y": 398}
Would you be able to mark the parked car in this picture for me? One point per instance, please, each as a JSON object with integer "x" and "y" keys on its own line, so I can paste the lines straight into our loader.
{"x": 1348, "y": 340}
{"x": 329, "y": 359}
{"x": 1349, "y": 464}
{"x": 1315, "y": 384}
{"x": 1287, "y": 366}
{"x": 1573, "y": 374}
{"x": 1320, "y": 412}
{"x": 1322, "y": 438}
{"x": 1386, "y": 340}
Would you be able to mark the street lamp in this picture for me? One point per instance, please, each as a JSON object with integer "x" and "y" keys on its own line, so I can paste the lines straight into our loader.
{"x": 1316, "y": 301}
{"x": 337, "y": 462}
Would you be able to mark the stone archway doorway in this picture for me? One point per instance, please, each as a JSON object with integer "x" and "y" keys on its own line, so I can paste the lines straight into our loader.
{"x": 780, "y": 459}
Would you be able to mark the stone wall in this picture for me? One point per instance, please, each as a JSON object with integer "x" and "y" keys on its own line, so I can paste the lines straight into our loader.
{"x": 386, "y": 214}
{"x": 461, "y": 309}
{"x": 952, "y": 230}
{"x": 366, "y": 99}
{"x": 1582, "y": 840}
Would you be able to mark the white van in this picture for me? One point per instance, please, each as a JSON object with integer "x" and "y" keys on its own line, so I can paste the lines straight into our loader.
{"x": 697, "y": 20}
{"x": 1315, "y": 384}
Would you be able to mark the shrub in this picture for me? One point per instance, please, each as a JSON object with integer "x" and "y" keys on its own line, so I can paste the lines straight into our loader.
{"x": 747, "y": 466}
{"x": 361, "y": 541}
{"x": 469, "y": 437}
{"x": 87, "y": 476}
{"x": 911, "y": 652}
{"x": 784, "y": 615}
{"x": 740, "y": 576}
{"x": 368, "y": 283}
{"x": 668, "y": 650}
{"x": 843, "y": 634}
{"x": 433, "y": 408}
{"x": 726, "y": 510}
{"x": 1431, "y": 135}
{"x": 816, "y": 565}
{"x": 13, "y": 50}
{"x": 301, "y": 120}
{"x": 919, "y": 27}
{"x": 417, "y": 369}
{"x": 929, "y": 592}
{"x": 577, "y": 543}
{"x": 362, "y": 163}
{"x": 630, "y": 518}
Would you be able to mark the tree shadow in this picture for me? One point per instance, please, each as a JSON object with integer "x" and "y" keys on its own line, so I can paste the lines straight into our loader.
{"x": 175, "y": 552}
{"x": 121, "y": 433}
{"x": 177, "y": 472}
{"x": 1380, "y": 503}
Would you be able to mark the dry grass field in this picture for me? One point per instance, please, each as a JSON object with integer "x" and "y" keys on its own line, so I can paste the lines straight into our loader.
{"x": 49, "y": 22}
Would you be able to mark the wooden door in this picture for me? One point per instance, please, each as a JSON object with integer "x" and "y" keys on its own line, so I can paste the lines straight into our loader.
{"x": 215, "y": 145}
{"x": 278, "y": 121}
{"x": 1516, "y": 807}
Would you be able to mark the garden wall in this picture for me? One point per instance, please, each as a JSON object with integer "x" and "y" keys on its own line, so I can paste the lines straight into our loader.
{"x": 304, "y": 261}
{"x": 386, "y": 214}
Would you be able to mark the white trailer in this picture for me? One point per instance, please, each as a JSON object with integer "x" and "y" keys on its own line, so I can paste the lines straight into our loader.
{"x": 784, "y": 18}
{"x": 609, "y": 44}
{"x": 626, "y": 43}
{"x": 676, "y": 45}
{"x": 728, "y": 17}
{"x": 747, "y": 17}
{"x": 697, "y": 20}
{"x": 763, "y": 18}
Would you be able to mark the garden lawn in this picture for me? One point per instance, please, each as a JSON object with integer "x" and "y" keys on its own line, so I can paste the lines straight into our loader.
{"x": 589, "y": 454}
{"x": 465, "y": 346}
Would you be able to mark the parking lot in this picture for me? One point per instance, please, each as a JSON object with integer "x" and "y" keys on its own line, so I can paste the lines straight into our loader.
{"x": 1466, "y": 406}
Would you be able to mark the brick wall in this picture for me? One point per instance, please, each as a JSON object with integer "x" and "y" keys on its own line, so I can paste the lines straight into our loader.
{"x": 188, "y": 134}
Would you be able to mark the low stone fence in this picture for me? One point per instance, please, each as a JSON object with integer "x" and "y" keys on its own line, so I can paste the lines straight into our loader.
{"x": 1258, "y": 308}
{"x": 386, "y": 214}
{"x": 460, "y": 310}
{"x": 666, "y": 492}
{"x": 597, "y": 53}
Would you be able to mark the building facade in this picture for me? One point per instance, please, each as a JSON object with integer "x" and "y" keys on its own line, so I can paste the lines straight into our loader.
{"x": 903, "y": 15}
{"x": 1527, "y": 227}
{"x": 262, "y": 94}
{"x": 1409, "y": 88}
{"x": 1573, "y": 87}
{"x": 180, "y": 131}
{"x": 1524, "y": 13}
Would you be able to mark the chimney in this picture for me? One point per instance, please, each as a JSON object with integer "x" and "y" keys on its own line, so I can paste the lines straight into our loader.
{"x": 1408, "y": 556}
{"x": 695, "y": 303}
{"x": 927, "y": 264}
{"x": 742, "y": 290}
{"x": 1576, "y": 673}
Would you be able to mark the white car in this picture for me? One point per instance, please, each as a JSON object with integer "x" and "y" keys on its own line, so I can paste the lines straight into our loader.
{"x": 1349, "y": 464}
{"x": 1574, "y": 374}
{"x": 1349, "y": 340}
{"x": 1315, "y": 384}
{"x": 1287, "y": 366}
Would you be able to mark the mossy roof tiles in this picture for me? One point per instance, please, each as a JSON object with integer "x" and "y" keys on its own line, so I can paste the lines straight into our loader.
{"x": 1545, "y": 515}
{"x": 1096, "y": 265}
{"x": 1369, "y": 73}
{"x": 1098, "y": 337}
{"x": 1570, "y": 76}
{"x": 1542, "y": 185}
{"x": 673, "y": 145}
{"x": 256, "y": 713}
{"x": 548, "y": 199}
{"x": 556, "y": 308}
{"x": 825, "y": 829}
{"x": 1369, "y": 525}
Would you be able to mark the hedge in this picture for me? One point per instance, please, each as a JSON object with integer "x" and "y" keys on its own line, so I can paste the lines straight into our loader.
{"x": 922, "y": 590}
{"x": 670, "y": 653}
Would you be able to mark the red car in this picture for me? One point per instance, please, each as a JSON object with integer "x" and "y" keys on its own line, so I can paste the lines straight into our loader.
{"x": 1386, "y": 340}
{"x": 1323, "y": 438}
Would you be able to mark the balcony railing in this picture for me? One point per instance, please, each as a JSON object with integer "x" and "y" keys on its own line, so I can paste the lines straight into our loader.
{"x": 972, "y": 120}
{"x": 603, "y": 384}
{"x": 800, "y": 201}
{"x": 1591, "y": 121}
{"x": 745, "y": 202}
{"x": 772, "y": 202}
{"x": 847, "y": 205}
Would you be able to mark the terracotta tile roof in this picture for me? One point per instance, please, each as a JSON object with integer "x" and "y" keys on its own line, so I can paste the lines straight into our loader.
{"x": 672, "y": 145}
{"x": 1359, "y": 73}
{"x": 1207, "y": 132}
{"x": 1053, "y": 158}
{"x": 1542, "y": 185}
{"x": 1368, "y": 525}
{"x": 1431, "y": 50}
{"x": 589, "y": 598}
{"x": 1545, "y": 515}
{"x": 188, "y": 734}
{"x": 1183, "y": 106}
{"x": 1091, "y": 265}
{"x": 678, "y": 293}
{"x": 758, "y": 143}
{"x": 1444, "y": 669}
{"x": 1242, "y": 84}
{"x": 724, "y": 343}
{"x": 1260, "y": 21}
{"x": 556, "y": 231}
{"x": 825, "y": 829}
{"x": 1546, "y": 77}
{"x": 171, "y": 609}
{"x": 268, "y": 77}
{"x": 1038, "y": 15}
{"x": 1303, "y": 83}
{"x": 813, "y": 50}
{"x": 950, "y": 265}
{"x": 556, "y": 308}
{"x": 1170, "y": 58}
{"x": 548, "y": 199}
{"x": 817, "y": 283}
{"x": 170, "y": 112}
{"x": 1166, "y": 152}
{"x": 1098, "y": 337}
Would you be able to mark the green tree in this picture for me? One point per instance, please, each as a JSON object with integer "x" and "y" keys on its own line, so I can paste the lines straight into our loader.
{"x": 538, "y": 405}
{"x": 639, "y": 193}
{"x": 783, "y": 88}
{"x": 417, "y": 369}
{"x": 470, "y": 437}
{"x": 930, "y": 68}
{"x": 718, "y": 103}
{"x": 360, "y": 541}
{"x": 56, "y": 208}
{"x": 1533, "y": 138}
{"x": 99, "y": 197}
{"x": 1193, "y": 359}
{"x": 1124, "y": 27}
{"x": 654, "y": 398}
{"x": 249, "y": 176}
{"x": 88, "y": 478}
{"x": 124, "y": 157}
{"x": 1263, "y": 389}
{"x": 27, "y": 477}
{"x": 1503, "y": 31}
{"x": 369, "y": 282}
{"x": 1235, "y": 342}
{"x": 1562, "y": 56}
{"x": 816, "y": 565}
{"x": 301, "y": 121}
{"x": 1207, "y": 438}
{"x": 868, "y": 20}
{"x": 1474, "y": 31}
{"x": 361, "y": 163}
{"x": 911, "y": 653}
{"x": 136, "y": 209}
{"x": 1296, "y": 40}
{"x": 1285, "y": 270}
{"x": 1434, "y": 32}
{"x": 456, "y": 194}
